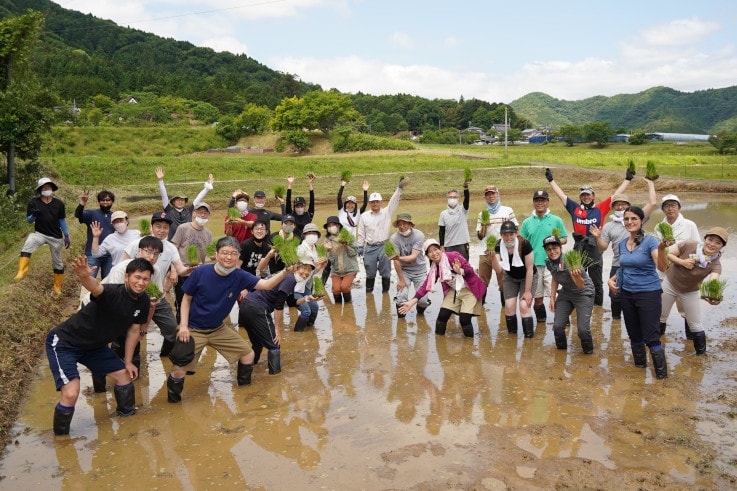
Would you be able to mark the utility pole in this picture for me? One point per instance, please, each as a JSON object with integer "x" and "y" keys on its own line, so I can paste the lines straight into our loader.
{"x": 506, "y": 127}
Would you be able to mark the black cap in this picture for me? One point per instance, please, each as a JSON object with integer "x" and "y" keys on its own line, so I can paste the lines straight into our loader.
{"x": 552, "y": 239}
{"x": 288, "y": 218}
{"x": 259, "y": 194}
{"x": 299, "y": 200}
{"x": 161, "y": 216}
{"x": 182, "y": 354}
{"x": 540, "y": 193}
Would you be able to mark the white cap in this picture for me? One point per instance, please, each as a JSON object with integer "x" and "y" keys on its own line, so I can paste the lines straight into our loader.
{"x": 375, "y": 197}
{"x": 670, "y": 197}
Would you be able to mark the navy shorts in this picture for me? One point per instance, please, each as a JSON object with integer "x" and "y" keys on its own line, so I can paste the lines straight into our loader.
{"x": 63, "y": 360}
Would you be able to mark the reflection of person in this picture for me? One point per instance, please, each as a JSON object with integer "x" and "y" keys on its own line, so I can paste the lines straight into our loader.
{"x": 515, "y": 264}
{"x": 462, "y": 288}
{"x": 105, "y": 200}
{"x": 576, "y": 292}
{"x": 638, "y": 285}
{"x": 48, "y": 216}
{"x": 691, "y": 263}
{"x": 348, "y": 212}
{"x": 498, "y": 214}
{"x": 83, "y": 338}
{"x": 176, "y": 206}
{"x": 209, "y": 295}
{"x": 584, "y": 214}
{"x": 409, "y": 262}
{"x": 453, "y": 223}
{"x": 343, "y": 259}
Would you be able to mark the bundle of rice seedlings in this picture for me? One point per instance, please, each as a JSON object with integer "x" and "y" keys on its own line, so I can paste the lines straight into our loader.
{"x": 713, "y": 289}
{"x": 211, "y": 249}
{"x": 574, "y": 259}
{"x": 666, "y": 231}
{"x": 631, "y": 165}
{"x": 280, "y": 191}
{"x": 346, "y": 175}
{"x": 491, "y": 242}
{"x": 318, "y": 288}
{"x": 322, "y": 251}
{"x": 345, "y": 236}
{"x": 652, "y": 173}
{"x": 288, "y": 252}
{"x": 233, "y": 214}
{"x": 145, "y": 226}
{"x": 556, "y": 232}
{"x": 467, "y": 174}
{"x": 193, "y": 255}
{"x": 389, "y": 249}
{"x": 485, "y": 217}
{"x": 154, "y": 291}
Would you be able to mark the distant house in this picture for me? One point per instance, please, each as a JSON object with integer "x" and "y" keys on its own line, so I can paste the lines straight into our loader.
{"x": 129, "y": 100}
{"x": 501, "y": 128}
{"x": 677, "y": 137}
{"x": 620, "y": 138}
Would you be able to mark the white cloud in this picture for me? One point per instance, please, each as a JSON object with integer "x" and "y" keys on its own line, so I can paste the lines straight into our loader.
{"x": 680, "y": 32}
{"x": 402, "y": 40}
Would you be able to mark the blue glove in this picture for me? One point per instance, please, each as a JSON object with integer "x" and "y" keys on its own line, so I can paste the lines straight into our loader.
{"x": 360, "y": 251}
{"x": 630, "y": 175}
{"x": 67, "y": 242}
{"x": 548, "y": 175}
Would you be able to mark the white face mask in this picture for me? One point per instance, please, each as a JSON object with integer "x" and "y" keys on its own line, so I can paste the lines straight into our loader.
{"x": 200, "y": 221}
{"x": 288, "y": 229}
{"x": 300, "y": 278}
{"x": 226, "y": 271}
{"x": 452, "y": 202}
{"x": 619, "y": 213}
{"x": 300, "y": 210}
{"x": 242, "y": 206}
{"x": 406, "y": 232}
{"x": 46, "y": 193}
{"x": 259, "y": 205}
{"x": 332, "y": 229}
{"x": 120, "y": 227}
{"x": 310, "y": 239}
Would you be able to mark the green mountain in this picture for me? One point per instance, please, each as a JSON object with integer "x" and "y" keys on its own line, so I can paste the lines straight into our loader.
{"x": 656, "y": 109}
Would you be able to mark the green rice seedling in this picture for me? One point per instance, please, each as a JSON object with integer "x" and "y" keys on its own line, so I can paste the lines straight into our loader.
{"x": 279, "y": 191}
{"x": 491, "y": 242}
{"x": 467, "y": 174}
{"x": 346, "y": 175}
{"x": 574, "y": 259}
{"x": 211, "y": 249}
{"x": 153, "y": 291}
{"x": 666, "y": 231}
{"x": 652, "y": 172}
{"x": 145, "y": 226}
{"x": 318, "y": 288}
{"x": 233, "y": 214}
{"x": 389, "y": 249}
{"x": 345, "y": 236}
{"x": 485, "y": 217}
{"x": 288, "y": 252}
{"x": 556, "y": 232}
{"x": 193, "y": 255}
{"x": 713, "y": 289}
{"x": 631, "y": 165}
{"x": 322, "y": 251}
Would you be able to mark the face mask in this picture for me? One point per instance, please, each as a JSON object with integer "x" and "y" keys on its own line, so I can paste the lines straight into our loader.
{"x": 259, "y": 205}
{"x": 201, "y": 221}
{"x": 288, "y": 229}
{"x": 311, "y": 239}
{"x": 300, "y": 210}
{"x": 224, "y": 270}
{"x": 333, "y": 229}
{"x": 619, "y": 213}
{"x": 300, "y": 278}
{"x": 406, "y": 232}
{"x": 452, "y": 202}
{"x": 105, "y": 209}
{"x": 120, "y": 227}
{"x": 242, "y": 206}
{"x": 46, "y": 193}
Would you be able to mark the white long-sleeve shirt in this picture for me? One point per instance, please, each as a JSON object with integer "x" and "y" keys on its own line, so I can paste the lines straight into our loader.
{"x": 115, "y": 244}
{"x": 374, "y": 228}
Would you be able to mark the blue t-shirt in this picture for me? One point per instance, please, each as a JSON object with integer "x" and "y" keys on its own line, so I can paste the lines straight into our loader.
{"x": 637, "y": 271}
{"x": 213, "y": 296}
{"x": 86, "y": 217}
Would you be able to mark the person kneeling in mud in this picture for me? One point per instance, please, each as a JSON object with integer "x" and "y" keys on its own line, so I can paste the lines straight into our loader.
{"x": 576, "y": 292}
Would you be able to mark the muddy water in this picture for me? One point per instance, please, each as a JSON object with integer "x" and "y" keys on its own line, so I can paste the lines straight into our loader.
{"x": 369, "y": 401}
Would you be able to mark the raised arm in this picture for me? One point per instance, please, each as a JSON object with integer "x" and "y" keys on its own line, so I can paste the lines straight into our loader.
{"x": 207, "y": 187}
{"x": 652, "y": 199}
{"x": 556, "y": 189}
{"x": 340, "y": 194}
{"x": 162, "y": 187}
{"x": 628, "y": 176}
{"x": 365, "y": 196}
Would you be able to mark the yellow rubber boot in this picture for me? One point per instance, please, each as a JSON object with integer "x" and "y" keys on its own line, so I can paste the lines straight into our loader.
{"x": 22, "y": 267}
{"x": 57, "y": 283}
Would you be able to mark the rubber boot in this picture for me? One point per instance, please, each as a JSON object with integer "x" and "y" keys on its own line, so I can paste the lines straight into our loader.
{"x": 301, "y": 324}
{"x": 166, "y": 347}
{"x": 311, "y": 319}
{"x": 62, "y": 420}
{"x": 58, "y": 278}
{"x": 337, "y": 298}
{"x": 599, "y": 295}
{"x": 347, "y": 297}
{"x": 501, "y": 297}
{"x": 398, "y": 306}
{"x": 440, "y": 328}
{"x": 639, "y": 355}
{"x": 274, "y": 361}
{"x": 540, "y": 313}
{"x": 663, "y": 326}
{"x": 661, "y": 368}
{"x": 699, "y": 342}
{"x": 98, "y": 384}
{"x": 125, "y": 396}
{"x": 22, "y": 272}
{"x": 421, "y": 310}
{"x": 468, "y": 330}
{"x": 385, "y": 283}
{"x": 370, "y": 285}
{"x": 616, "y": 309}
{"x": 587, "y": 345}
{"x": 687, "y": 329}
{"x": 528, "y": 327}
{"x": 174, "y": 389}
{"x": 561, "y": 342}
{"x": 511, "y": 324}
{"x": 244, "y": 374}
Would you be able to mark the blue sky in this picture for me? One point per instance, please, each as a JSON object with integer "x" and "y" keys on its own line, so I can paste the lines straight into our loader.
{"x": 495, "y": 51}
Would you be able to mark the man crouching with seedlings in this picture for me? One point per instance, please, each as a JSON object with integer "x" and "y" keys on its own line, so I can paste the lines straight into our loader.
{"x": 114, "y": 309}
{"x": 576, "y": 292}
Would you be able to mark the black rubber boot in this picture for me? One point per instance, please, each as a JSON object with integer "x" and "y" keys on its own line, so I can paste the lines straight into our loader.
{"x": 528, "y": 327}
{"x": 337, "y": 298}
{"x": 501, "y": 297}
{"x": 62, "y": 421}
{"x": 587, "y": 345}
{"x": 311, "y": 319}
{"x": 125, "y": 396}
{"x": 347, "y": 297}
{"x": 687, "y": 329}
{"x": 663, "y": 326}
{"x": 639, "y": 355}
{"x": 468, "y": 330}
{"x": 244, "y": 374}
{"x": 599, "y": 295}
{"x": 440, "y": 328}
{"x": 174, "y": 389}
{"x": 421, "y": 310}
{"x": 166, "y": 347}
{"x": 402, "y": 316}
{"x": 616, "y": 309}
{"x": 301, "y": 324}
{"x": 274, "y": 361}
{"x": 699, "y": 342}
{"x": 540, "y": 313}
{"x": 661, "y": 369}
{"x": 511, "y": 324}
{"x": 385, "y": 284}
{"x": 370, "y": 285}
{"x": 561, "y": 342}
{"x": 98, "y": 384}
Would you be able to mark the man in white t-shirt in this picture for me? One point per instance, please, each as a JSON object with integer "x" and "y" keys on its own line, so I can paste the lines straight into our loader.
{"x": 453, "y": 223}
{"x": 498, "y": 214}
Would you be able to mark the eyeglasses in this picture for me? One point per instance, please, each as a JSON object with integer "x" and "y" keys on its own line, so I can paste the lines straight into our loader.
{"x": 631, "y": 219}
{"x": 149, "y": 252}
{"x": 228, "y": 253}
